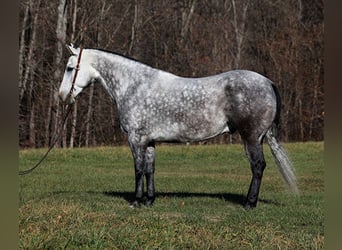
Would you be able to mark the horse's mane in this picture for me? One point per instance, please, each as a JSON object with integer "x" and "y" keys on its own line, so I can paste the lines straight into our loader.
{"x": 118, "y": 54}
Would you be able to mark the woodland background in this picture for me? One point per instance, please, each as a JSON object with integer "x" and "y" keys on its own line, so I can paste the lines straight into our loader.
{"x": 282, "y": 40}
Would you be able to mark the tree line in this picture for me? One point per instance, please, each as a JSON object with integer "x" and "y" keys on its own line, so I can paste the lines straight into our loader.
{"x": 282, "y": 40}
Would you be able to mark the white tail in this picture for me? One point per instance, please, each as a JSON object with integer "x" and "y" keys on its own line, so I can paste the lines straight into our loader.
{"x": 284, "y": 165}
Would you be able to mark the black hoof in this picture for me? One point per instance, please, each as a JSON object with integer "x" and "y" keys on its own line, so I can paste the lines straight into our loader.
{"x": 149, "y": 202}
{"x": 138, "y": 203}
{"x": 135, "y": 204}
{"x": 249, "y": 206}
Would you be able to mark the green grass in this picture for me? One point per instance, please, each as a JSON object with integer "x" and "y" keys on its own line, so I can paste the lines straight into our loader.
{"x": 78, "y": 199}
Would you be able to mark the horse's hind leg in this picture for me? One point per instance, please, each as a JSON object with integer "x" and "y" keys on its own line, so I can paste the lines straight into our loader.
{"x": 256, "y": 158}
{"x": 149, "y": 168}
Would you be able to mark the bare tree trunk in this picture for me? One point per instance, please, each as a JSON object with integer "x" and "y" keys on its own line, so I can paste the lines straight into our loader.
{"x": 61, "y": 40}
{"x": 315, "y": 110}
{"x": 89, "y": 113}
{"x": 28, "y": 69}
{"x": 73, "y": 125}
{"x": 136, "y": 24}
{"x": 22, "y": 48}
{"x": 29, "y": 75}
{"x": 48, "y": 120}
{"x": 32, "y": 127}
{"x": 136, "y": 37}
{"x": 74, "y": 113}
{"x": 239, "y": 29}
{"x": 32, "y": 102}
{"x": 186, "y": 19}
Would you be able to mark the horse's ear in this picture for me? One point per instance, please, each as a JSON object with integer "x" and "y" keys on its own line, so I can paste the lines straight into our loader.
{"x": 72, "y": 49}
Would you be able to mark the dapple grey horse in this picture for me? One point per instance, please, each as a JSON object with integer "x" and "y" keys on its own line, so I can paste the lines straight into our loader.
{"x": 156, "y": 106}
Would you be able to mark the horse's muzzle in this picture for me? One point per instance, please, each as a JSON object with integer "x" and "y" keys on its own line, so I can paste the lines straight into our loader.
{"x": 66, "y": 97}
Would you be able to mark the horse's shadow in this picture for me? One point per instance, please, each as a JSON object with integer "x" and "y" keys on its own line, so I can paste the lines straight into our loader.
{"x": 238, "y": 199}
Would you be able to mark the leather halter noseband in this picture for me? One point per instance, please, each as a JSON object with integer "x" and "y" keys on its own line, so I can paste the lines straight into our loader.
{"x": 77, "y": 68}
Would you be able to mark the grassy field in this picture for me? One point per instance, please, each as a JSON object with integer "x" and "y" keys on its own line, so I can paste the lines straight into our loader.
{"x": 79, "y": 199}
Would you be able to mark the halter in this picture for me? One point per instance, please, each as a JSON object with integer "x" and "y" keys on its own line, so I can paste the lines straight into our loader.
{"x": 77, "y": 68}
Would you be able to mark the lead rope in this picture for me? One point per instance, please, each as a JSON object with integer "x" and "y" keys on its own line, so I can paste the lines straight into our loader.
{"x": 59, "y": 133}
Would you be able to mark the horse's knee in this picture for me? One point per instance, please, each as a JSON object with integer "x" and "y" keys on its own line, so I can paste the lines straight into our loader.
{"x": 149, "y": 161}
{"x": 150, "y": 155}
{"x": 139, "y": 172}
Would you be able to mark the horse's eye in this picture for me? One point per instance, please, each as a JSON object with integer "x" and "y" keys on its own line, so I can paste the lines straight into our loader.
{"x": 69, "y": 69}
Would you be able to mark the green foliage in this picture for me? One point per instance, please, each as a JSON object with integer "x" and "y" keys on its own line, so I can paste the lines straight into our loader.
{"x": 79, "y": 199}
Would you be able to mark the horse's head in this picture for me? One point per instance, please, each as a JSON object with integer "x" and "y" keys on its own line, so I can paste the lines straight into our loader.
{"x": 79, "y": 73}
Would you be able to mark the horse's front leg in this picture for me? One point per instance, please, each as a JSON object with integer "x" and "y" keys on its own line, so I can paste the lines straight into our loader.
{"x": 150, "y": 163}
{"x": 138, "y": 152}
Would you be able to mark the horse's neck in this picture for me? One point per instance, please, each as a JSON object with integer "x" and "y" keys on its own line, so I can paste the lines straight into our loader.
{"x": 120, "y": 75}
